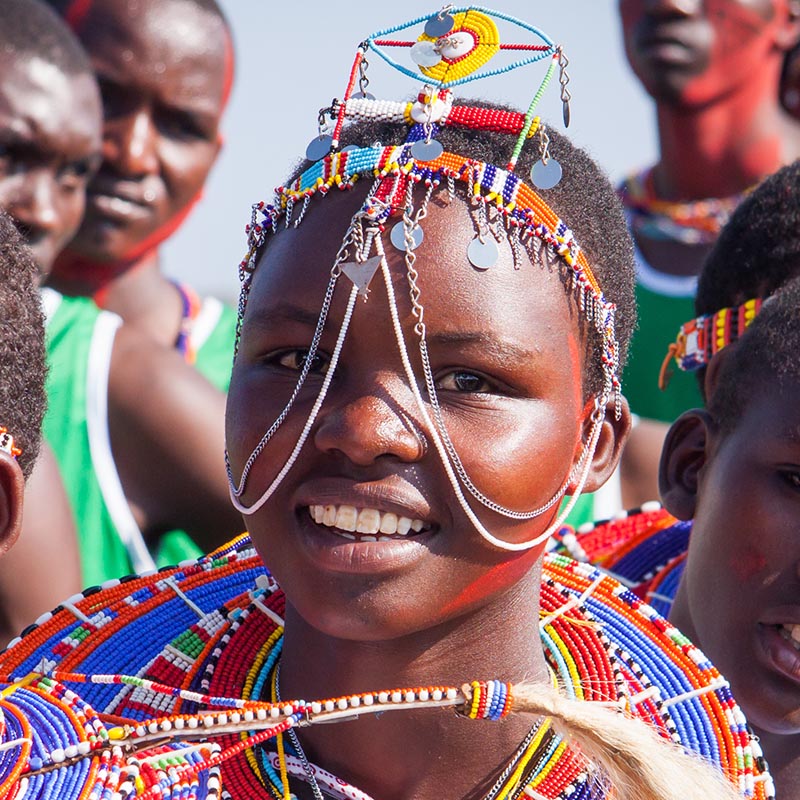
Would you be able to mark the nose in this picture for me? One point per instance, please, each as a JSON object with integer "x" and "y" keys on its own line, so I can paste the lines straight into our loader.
{"x": 369, "y": 427}
{"x": 34, "y": 205}
{"x": 130, "y": 143}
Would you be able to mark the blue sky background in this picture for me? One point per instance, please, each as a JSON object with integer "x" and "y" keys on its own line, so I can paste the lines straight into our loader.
{"x": 294, "y": 57}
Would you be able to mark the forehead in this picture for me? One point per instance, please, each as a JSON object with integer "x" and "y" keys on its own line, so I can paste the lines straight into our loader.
{"x": 39, "y": 102}
{"x": 764, "y": 9}
{"x": 522, "y": 302}
{"x": 171, "y": 46}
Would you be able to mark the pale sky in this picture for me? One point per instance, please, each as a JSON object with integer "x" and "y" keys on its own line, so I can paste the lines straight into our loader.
{"x": 293, "y": 58}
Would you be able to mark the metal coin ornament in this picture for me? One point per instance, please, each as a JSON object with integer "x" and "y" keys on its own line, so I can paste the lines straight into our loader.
{"x": 426, "y": 150}
{"x": 398, "y": 236}
{"x": 349, "y": 147}
{"x": 483, "y": 253}
{"x": 546, "y": 174}
{"x": 425, "y": 54}
{"x": 363, "y": 96}
{"x": 319, "y": 147}
{"x": 439, "y": 25}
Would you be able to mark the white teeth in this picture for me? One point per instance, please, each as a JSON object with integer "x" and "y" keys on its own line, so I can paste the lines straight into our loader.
{"x": 388, "y": 523}
{"x": 346, "y": 518}
{"x": 367, "y": 521}
{"x": 791, "y": 633}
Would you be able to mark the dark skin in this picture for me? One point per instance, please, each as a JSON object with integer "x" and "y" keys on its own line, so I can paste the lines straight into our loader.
{"x": 160, "y": 409}
{"x": 713, "y": 68}
{"x": 507, "y": 357}
{"x": 738, "y": 588}
{"x": 163, "y": 96}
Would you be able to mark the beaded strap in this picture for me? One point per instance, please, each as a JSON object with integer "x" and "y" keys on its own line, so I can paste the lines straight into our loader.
{"x": 700, "y": 339}
{"x": 7, "y": 443}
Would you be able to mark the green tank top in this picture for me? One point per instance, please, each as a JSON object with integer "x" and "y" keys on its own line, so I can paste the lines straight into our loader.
{"x": 212, "y": 336}
{"x": 664, "y": 303}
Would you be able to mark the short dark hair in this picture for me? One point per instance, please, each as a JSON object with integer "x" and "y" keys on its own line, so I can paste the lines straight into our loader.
{"x": 766, "y": 355}
{"x": 758, "y": 250}
{"x": 584, "y": 199}
{"x": 22, "y": 351}
{"x": 29, "y": 27}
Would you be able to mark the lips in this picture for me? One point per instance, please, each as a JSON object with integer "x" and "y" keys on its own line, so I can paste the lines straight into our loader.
{"x": 120, "y": 200}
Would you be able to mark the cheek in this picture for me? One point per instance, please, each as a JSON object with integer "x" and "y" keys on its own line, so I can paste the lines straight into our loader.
{"x": 747, "y": 563}
{"x": 185, "y": 167}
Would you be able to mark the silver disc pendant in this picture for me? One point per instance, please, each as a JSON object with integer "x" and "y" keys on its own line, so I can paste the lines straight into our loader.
{"x": 319, "y": 147}
{"x": 425, "y": 54}
{"x": 546, "y": 176}
{"x": 398, "y": 237}
{"x": 483, "y": 254}
{"x": 350, "y": 147}
{"x": 362, "y": 96}
{"x": 439, "y": 25}
{"x": 426, "y": 151}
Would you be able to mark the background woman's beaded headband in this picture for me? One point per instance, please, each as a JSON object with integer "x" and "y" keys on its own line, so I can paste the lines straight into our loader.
{"x": 455, "y": 44}
{"x": 700, "y": 339}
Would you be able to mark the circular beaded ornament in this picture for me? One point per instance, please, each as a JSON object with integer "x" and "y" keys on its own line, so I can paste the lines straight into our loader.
{"x": 208, "y": 635}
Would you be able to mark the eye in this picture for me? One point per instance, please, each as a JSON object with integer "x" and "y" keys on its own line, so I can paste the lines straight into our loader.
{"x": 465, "y": 382}
{"x": 77, "y": 172}
{"x": 296, "y": 359}
{"x": 180, "y": 125}
{"x": 792, "y": 477}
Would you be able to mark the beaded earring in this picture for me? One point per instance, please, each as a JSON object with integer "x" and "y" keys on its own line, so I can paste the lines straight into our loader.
{"x": 444, "y": 60}
{"x": 7, "y": 443}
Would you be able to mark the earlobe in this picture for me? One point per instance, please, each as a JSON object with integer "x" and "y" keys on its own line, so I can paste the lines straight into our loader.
{"x": 613, "y": 434}
{"x": 12, "y": 489}
{"x": 685, "y": 452}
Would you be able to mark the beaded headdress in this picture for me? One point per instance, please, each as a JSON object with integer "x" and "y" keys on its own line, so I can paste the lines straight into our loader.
{"x": 452, "y": 50}
{"x": 700, "y": 339}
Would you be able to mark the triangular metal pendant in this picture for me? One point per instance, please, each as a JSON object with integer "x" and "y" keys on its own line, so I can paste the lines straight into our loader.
{"x": 362, "y": 273}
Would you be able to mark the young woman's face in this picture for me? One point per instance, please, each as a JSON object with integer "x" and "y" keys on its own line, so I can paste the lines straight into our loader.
{"x": 162, "y": 71}
{"x": 742, "y": 577}
{"x": 507, "y": 360}
{"x": 691, "y": 52}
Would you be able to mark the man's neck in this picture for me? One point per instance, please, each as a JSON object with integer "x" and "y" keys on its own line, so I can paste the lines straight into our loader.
{"x": 725, "y": 147}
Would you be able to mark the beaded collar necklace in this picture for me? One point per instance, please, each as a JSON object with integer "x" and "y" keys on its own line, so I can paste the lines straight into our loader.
{"x": 693, "y": 222}
{"x": 208, "y": 677}
{"x": 454, "y": 45}
{"x": 700, "y": 339}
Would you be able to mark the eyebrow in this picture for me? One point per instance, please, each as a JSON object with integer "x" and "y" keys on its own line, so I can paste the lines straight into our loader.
{"x": 494, "y": 347}
{"x": 281, "y": 313}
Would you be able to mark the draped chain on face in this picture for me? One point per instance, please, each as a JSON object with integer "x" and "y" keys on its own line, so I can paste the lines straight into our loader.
{"x": 406, "y": 177}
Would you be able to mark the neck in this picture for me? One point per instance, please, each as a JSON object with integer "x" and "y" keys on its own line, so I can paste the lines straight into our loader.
{"x": 391, "y": 756}
{"x": 724, "y": 147}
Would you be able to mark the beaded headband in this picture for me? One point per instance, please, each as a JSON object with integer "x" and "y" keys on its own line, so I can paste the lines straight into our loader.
{"x": 455, "y": 44}
{"x": 700, "y": 339}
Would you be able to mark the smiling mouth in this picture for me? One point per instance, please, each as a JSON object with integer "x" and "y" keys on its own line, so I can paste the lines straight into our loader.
{"x": 366, "y": 524}
{"x": 791, "y": 633}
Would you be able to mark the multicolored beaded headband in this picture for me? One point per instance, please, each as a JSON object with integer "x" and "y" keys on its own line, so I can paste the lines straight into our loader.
{"x": 7, "y": 443}
{"x": 456, "y": 42}
{"x": 700, "y": 339}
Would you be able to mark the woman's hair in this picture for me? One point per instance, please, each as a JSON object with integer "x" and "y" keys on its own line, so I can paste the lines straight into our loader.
{"x": 758, "y": 250}
{"x": 22, "y": 353}
{"x": 584, "y": 199}
{"x": 767, "y": 355}
{"x": 631, "y": 756}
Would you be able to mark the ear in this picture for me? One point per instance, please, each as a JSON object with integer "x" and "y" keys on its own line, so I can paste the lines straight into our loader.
{"x": 686, "y": 451}
{"x": 788, "y": 35}
{"x": 12, "y": 489}
{"x": 613, "y": 434}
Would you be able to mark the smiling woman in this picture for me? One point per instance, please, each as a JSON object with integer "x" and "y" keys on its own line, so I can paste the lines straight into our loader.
{"x": 428, "y": 363}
